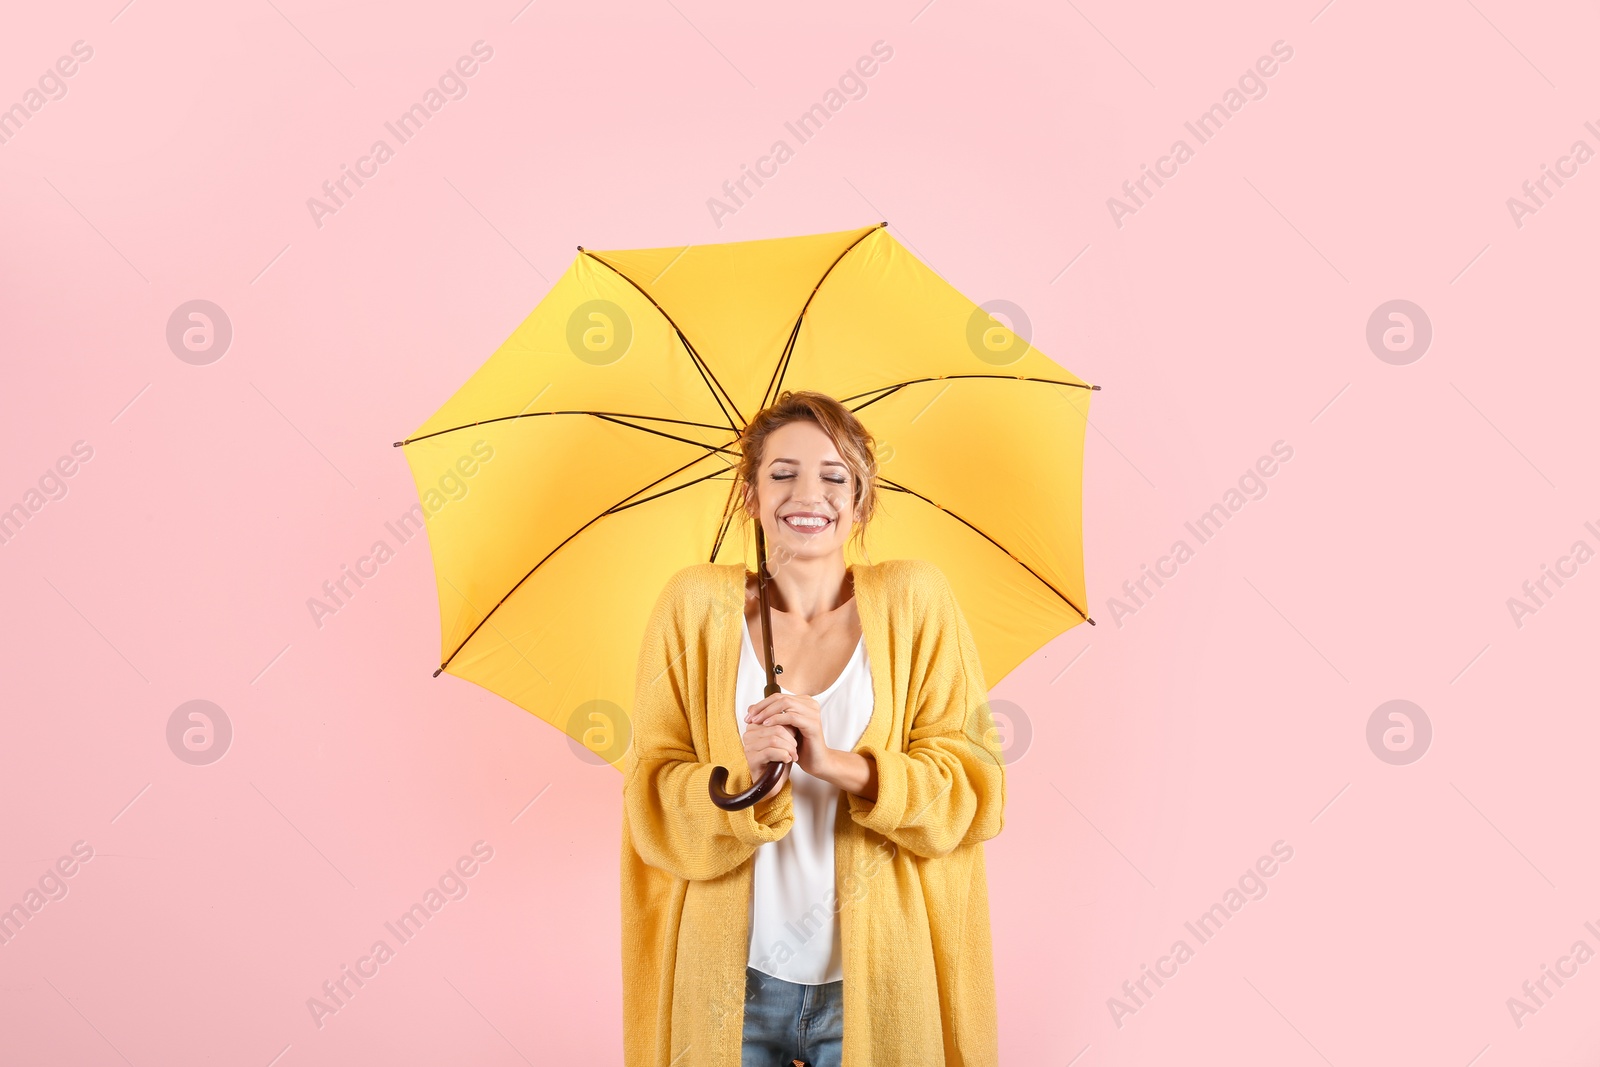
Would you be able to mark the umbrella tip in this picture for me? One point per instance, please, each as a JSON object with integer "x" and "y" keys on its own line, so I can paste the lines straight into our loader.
{"x": 1094, "y": 388}
{"x": 1090, "y": 621}
{"x": 436, "y": 673}
{"x": 884, "y": 223}
{"x": 397, "y": 444}
{"x": 580, "y": 248}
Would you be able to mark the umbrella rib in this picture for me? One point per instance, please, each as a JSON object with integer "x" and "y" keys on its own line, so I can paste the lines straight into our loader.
{"x": 673, "y": 437}
{"x": 613, "y": 416}
{"x": 888, "y": 390}
{"x": 782, "y": 365}
{"x": 992, "y": 541}
{"x": 788, "y": 349}
{"x": 718, "y": 393}
{"x": 881, "y": 392}
{"x": 656, "y": 496}
{"x": 727, "y": 520}
{"x": 620, "y": 505}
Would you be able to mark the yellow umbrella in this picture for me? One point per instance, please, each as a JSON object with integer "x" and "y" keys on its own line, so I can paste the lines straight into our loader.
{"x": 590, "y": 457}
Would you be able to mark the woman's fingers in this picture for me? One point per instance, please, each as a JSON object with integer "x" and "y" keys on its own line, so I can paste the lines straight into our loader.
{"x": 783, "y": 741}
{"x": 757, "y": 709}
{"x": 770, "y": 744}
{"x": 771, "y": 755}
{"x": 764, "y": 710}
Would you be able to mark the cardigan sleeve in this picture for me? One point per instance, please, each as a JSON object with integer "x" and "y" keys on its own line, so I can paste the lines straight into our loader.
{"x": 948, "y": 787}
{"x": 666, "y": 795}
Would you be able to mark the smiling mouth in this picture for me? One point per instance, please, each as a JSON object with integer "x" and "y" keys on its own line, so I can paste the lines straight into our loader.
{"x": 807, "y": 526}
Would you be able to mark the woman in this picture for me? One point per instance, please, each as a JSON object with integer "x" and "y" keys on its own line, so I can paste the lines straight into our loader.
{"x": 845, "y": 916}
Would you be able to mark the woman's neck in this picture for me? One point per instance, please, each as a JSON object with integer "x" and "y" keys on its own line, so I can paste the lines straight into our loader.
{"x": 810, "y": 590}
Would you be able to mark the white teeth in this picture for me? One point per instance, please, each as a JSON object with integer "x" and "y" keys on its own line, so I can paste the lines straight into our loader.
{"x": 805, "y": 521}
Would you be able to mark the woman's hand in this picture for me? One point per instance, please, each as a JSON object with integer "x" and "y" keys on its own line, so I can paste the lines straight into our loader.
{"x": 767, "y": 744}
{"x": 773, "y": 716}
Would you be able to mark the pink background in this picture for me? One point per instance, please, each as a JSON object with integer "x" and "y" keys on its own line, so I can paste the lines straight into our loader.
{"x": 1168, "y": 753}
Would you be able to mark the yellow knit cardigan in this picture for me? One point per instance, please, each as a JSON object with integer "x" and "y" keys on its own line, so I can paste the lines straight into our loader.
{"x": 911, "y": 893}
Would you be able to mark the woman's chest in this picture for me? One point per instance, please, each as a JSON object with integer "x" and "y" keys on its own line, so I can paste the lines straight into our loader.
{"x": 812, "y": 662}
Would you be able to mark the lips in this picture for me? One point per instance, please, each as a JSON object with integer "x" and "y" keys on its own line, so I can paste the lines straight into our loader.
{"x": 810, "y": 527}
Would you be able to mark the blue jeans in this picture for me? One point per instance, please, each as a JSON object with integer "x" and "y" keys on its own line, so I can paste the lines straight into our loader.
{"x": 786, "y": 1021}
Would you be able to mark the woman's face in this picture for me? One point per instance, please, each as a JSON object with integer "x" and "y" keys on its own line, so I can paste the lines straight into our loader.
{"x": 803, "y": 479}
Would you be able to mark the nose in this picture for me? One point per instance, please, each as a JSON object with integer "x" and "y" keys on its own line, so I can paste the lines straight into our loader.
{"x": 811, "y": 489}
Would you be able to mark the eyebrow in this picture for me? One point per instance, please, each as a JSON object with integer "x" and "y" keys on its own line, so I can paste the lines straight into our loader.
{"x": 825, "y": 463}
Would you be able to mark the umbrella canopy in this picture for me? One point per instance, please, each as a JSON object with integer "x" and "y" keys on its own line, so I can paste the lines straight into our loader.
{"x": 591, "y": 456}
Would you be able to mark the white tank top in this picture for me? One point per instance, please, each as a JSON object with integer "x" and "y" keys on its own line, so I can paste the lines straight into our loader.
{"x": 794, "y": 928}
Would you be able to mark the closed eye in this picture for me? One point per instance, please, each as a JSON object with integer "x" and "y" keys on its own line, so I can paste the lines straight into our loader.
{"x": 788, "y": 477}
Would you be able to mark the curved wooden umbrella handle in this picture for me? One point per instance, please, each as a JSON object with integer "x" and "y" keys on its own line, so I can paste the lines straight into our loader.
{"x": 770, "y": 781}
{"x": 772, "y": 777}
